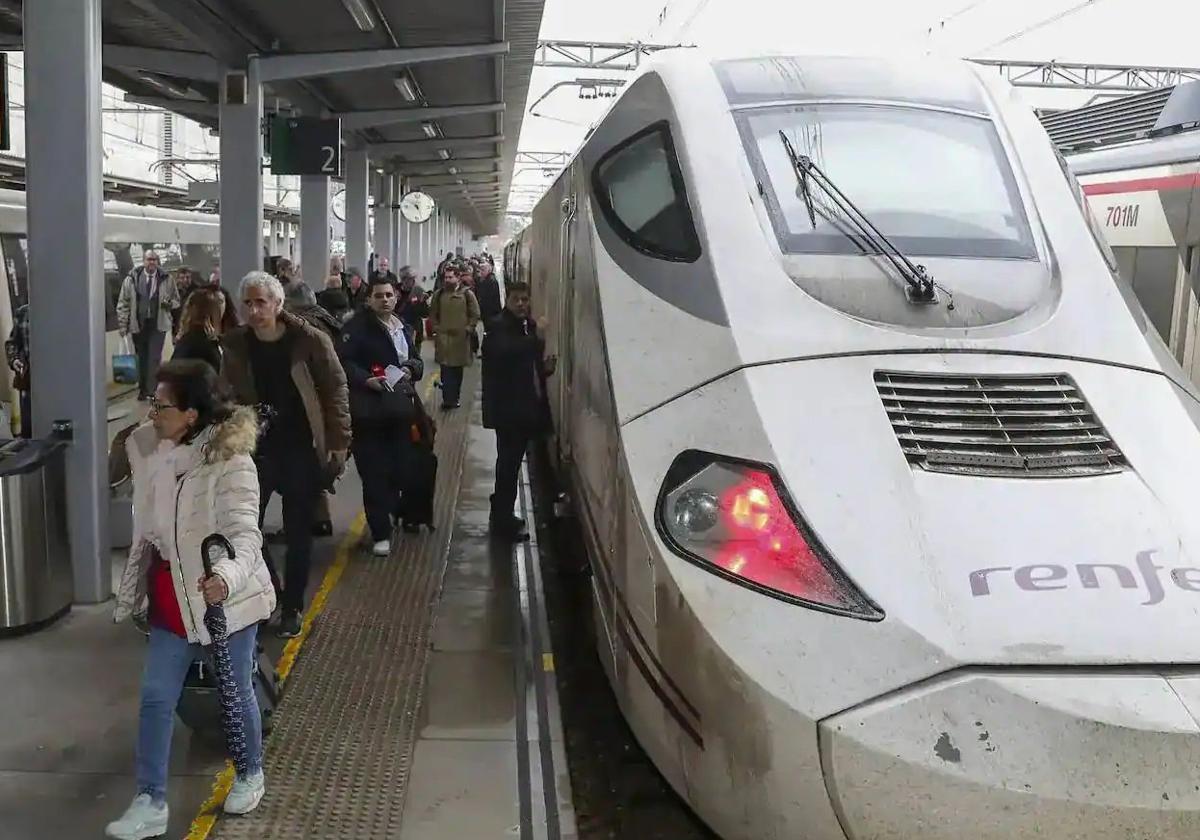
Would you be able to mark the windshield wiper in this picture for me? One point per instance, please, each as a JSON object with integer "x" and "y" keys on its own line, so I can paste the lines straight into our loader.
{"x": 921, "y": 285}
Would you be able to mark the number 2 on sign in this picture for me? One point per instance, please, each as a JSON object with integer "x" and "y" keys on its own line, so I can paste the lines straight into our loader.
{"x": 330, "y": 154}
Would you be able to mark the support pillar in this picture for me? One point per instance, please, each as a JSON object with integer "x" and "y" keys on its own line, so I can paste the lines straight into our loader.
{"x": 396, "y": 217}
{"x": 384, "y": 225}
{"x": 402, "y": 254}
{"x": 314, "y": 229}
{"x": 241, "y": 183}
{"x": 439, "y": 248}
{"x": 66, "y": 244}
{"x": 419, "y": 264}
{"x": 357, "y": 178}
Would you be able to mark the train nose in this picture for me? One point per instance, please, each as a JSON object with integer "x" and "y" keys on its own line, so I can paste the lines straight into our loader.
{"x": 995, "y": 756}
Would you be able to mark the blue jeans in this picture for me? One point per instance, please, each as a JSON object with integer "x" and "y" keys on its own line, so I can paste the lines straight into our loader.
{"x": 168, "y": 658}
{"x": 452, "y": 379}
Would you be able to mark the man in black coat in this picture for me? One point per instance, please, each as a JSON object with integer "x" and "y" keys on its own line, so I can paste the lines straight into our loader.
{"x": 373, "y": 340}
{"x": 487, "y": 292}
{"x": 514, "y": 400}
{"x": 412, "y": 304}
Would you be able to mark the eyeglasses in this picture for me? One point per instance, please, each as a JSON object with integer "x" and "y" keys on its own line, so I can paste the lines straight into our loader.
{"x": 157, "y": 405}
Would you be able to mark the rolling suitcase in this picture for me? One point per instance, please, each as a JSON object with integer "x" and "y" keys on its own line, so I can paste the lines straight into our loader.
{"x": 200, "y": 706}
{"x": 420, "y": 473}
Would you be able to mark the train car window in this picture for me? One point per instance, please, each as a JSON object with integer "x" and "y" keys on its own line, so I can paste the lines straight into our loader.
{"x": 904, "y": 167}
{"x": 780, "y": 78}
{"x": 16, "y": 263}
{"x": 1155, "y": 275}
{"x": 170, "y": 254}
{"x": 118, "y": 262}
{"x": 203, "y": 259}
{"x": 639, "y": 187}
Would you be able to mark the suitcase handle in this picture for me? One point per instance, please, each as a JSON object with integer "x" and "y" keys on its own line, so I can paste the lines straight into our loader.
{"x": 206, "y": 547}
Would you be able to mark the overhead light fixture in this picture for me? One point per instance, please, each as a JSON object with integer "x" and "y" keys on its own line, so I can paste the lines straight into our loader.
{"x": 407, "y": 88}
{"x": 361, "y": 13}
{"x": 430, "y": 130}
{"x": 164, "y": 85}
{"x": 443, "y": 154}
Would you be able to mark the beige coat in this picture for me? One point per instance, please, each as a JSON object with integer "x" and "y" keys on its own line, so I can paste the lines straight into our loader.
{"x": 168, "y": 301}
{"x": 453, "y": 314}
{"x": 215, "y": 491}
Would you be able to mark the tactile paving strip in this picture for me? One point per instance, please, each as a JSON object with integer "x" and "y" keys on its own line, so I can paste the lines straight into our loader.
{"x": 338, "y": 759}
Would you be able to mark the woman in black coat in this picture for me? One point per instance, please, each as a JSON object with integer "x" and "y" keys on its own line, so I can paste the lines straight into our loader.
{"x": 200, "y": 328}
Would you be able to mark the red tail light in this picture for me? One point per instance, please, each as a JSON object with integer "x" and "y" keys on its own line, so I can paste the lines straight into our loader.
{"x": 735, "y": 519}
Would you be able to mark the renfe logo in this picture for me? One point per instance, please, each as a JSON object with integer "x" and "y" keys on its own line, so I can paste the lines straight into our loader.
{"x": 1045, "y": 577}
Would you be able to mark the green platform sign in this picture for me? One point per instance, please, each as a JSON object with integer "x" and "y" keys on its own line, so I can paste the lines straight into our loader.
{"x": 306, "y": 146}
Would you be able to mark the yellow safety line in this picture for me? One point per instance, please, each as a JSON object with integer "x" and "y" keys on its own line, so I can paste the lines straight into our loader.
{"x": 548, "y": 663}
{"x": 332, "y": 576}
{"x": 203, "y": 824}
{"x": 207, "y": 818}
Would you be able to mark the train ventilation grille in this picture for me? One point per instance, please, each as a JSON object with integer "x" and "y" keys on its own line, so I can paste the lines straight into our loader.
{"x": 1011, "y": 426}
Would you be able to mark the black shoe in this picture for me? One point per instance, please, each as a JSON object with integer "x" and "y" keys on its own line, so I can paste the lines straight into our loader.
{"x": 410, "y": 528}
{"x": 510, "y": 521}
{"x": 323, "y": 529}
{"x": 512, "y": 528}
{"x": 289, "y": 625}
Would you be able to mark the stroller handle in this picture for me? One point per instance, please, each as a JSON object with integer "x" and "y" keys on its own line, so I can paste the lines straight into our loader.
{"x": 211, "y": 540}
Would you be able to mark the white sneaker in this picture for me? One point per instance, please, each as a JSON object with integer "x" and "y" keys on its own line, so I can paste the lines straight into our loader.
{"x": 142, "y": 819}
{"x": 246, "y": 793}
{"x": 382, "y": 548}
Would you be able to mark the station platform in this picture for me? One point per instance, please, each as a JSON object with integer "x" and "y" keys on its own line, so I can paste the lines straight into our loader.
{"x": 419, "y": 701}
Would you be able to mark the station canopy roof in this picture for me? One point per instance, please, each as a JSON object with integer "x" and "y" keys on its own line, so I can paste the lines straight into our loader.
{"x": 475, "y": 97}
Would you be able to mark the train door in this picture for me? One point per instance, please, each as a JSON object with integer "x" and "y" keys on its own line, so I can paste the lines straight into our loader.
{"x": 566, "y": 322}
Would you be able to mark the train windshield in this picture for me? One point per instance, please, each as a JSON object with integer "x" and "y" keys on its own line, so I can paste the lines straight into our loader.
{"x": 936, "y": 183}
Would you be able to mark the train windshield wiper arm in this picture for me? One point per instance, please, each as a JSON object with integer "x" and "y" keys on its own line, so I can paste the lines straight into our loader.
{"x": 921, "y": 286}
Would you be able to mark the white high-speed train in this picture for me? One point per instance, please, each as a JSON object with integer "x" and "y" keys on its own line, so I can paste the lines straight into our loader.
{"x": 888, "y": 481}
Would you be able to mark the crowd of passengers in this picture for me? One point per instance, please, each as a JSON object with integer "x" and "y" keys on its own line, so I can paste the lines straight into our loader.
{"x": 276, "y": 402}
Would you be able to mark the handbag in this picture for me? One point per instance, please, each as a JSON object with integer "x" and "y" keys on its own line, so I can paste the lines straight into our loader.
{"x": 383, "y": 408}
{"x": 124, "y": 363}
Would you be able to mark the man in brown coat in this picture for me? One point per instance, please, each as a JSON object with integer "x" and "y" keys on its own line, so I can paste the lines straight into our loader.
{"x": 291, "y": 373}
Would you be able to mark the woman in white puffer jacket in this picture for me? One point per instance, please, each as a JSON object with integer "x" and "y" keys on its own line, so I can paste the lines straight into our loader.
{"x": 193, "y": 475}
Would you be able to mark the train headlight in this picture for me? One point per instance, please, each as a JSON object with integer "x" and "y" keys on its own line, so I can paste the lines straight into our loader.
{"x": 734, "y": 518}
{"x": 694, "y": 511}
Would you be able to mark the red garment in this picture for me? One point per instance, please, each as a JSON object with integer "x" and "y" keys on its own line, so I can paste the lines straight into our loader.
{"x": 164, "y": 606}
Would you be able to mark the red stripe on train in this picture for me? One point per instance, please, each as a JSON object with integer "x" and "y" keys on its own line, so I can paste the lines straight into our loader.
{"x": 1166, "y": 182}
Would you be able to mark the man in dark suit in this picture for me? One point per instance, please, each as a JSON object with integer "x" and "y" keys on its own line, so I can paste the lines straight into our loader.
{"x": 514, "y": 400}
